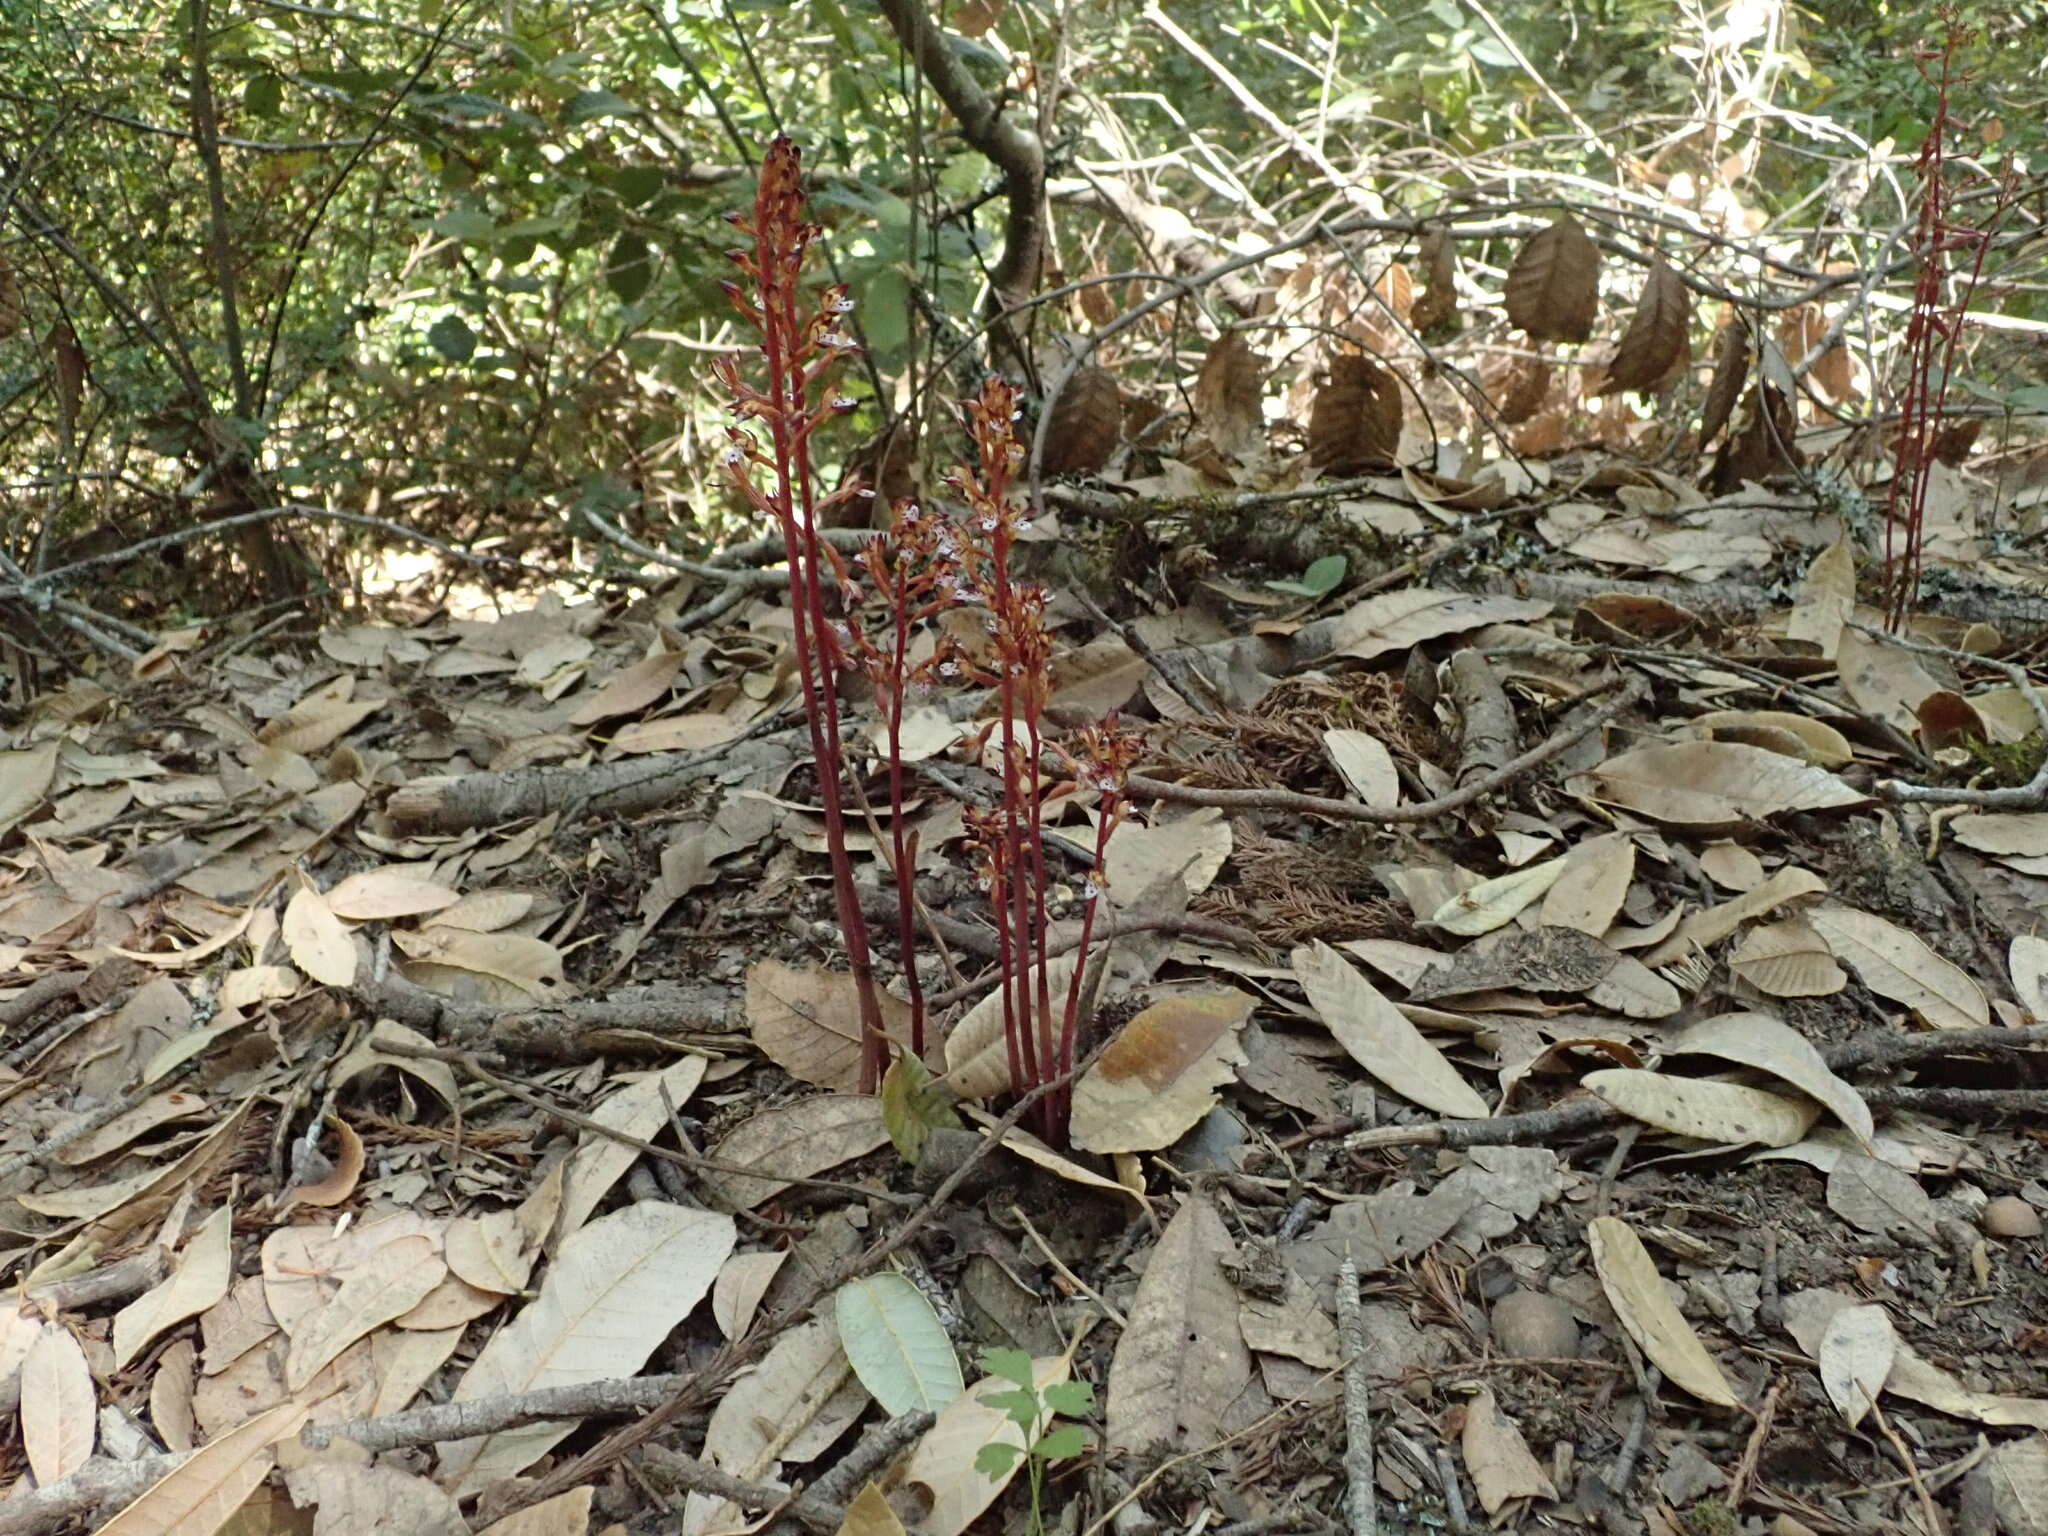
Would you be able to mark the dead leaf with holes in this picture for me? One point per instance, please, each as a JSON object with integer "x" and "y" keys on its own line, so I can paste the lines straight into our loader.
{"x": 1161, "y": 1074}
{"x": 1552, "y": 960}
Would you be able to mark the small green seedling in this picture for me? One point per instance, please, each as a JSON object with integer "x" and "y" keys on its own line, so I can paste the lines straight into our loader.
{"x": 1032, "y": 1409}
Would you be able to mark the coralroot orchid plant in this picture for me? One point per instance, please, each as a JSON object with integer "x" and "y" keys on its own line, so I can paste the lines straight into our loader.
{"x": 928, "y": 561}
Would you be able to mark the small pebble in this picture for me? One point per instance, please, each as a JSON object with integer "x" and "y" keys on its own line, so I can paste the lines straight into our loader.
{"x": 1532, "y": 1325}
{"x": 2010, "y": 1216}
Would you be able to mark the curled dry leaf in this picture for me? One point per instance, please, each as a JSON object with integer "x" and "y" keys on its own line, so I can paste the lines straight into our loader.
{"x": 1807, "y": 1314}
{"x": 1394, "y": 621}
{"x": 1161, "y": 1073}
{"x": 1553, "y": 960}
{"x": 1379, "y": 1038}
{"x": 1703, "y": 930}
{"x": 1897, "y": 964}
{"x": 1702, "y": 1108}
{"x": 1636, "y": 1291}
{"x": 1228, "y": 396}
{"x": 1780, "y": 731}
{"x": 1712, "y": 784}
{"x": 1553, "y": 287}
{"x": 1367, "y": 768}
{"x": 1087, "y": 421}
{"x": 379, "y": 895}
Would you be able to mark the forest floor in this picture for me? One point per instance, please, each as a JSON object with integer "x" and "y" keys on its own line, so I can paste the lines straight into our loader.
{"x": 429, "y": 1037}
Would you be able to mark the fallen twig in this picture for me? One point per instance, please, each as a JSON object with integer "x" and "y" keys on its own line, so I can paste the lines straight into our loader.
{"x": 1360, "y": 1512}
{"x": 1631, "y": 693}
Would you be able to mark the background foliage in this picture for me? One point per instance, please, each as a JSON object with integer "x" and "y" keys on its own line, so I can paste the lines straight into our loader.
{"x": 457, "y": 263}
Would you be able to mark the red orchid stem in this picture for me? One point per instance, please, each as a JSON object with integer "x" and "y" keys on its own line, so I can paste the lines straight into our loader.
{"x": 903, "y": 857}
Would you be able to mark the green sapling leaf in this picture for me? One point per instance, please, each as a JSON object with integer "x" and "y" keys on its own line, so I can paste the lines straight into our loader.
{"x": 1062, "y": 1444}
{"x": 996, "y": 1458}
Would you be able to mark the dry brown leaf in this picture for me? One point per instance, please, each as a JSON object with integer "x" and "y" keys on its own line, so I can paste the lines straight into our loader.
{"x": 1161, "y": 1073}
{"x": 2026, "y": 960}
{"x": 1703, "y": 930}
{"x": 1712, "y": 784}
{"x": 1706, "y": 1110}
{"x": 1770, "y": 1045}
{"x": 25, "y": 780}
{"x": 1807, "y": 1314}
{"x": 1885, "y": 682}
{"x": 1594, "y": 883}
{"x": 742, "y": 1282}
{"x": 1856, "y": 1352}
{"x": 1787, "y": 959}
{"x": 611, "y": 1295}
{"x": 1394, "y": 621}
{"x": 1355, "y": 424}
{"x": 790, "y": 1407}
{"x": 631, "y": 689}
{"x": 793, "y": 1141}
{"x": 1181, "y": 1363}
{"x": 198, "y": 1282}
{"x": 1039, "y": 1155}
{"x": 491, "y": 1252}
{"x": 1552, "y": 960}
{"x": 639, "y": 1110}
{"x": 1659, "y": 336}
{"x": 379, "y": 895}
{"x": 1087, "y": 423}
{"x": 977, "y": 1056}
{"x": 1497, "y": 1457}
{"x": 1732, "y": 867}
{"x": 1228, "y": 396}
{"x": 1553, "y": 287}
{"x": 1497, "y": 902}
{"x": 1875, "y": 1197}
{"x": 1900, "y": 965}
{"x": 319, "y": 943}
{"x": 1635, "y": 1290}
{"x": 806, "y": 1019}
{"x": 1365, "y": 765}
{"x": 1825, "y": 601}
{"x": 170, "y": 1396}
{"x": 870, "y": 1515}
{"x": 566, "y": 1514}
{"x": 1379, "y": 1038}
{"x": 59, "y": 1407}
{"x": 394, "y": 1281}
{"x": 157, "y": 1110}
{"x": 202, "y": 1493}
{"x": 341, "y": 1178}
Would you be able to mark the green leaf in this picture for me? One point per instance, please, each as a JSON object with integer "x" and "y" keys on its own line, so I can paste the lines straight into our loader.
{"x": 627, "y": 270}
{"x": 586, "y": 106}
{"x": 472, "y": 225}
{"x": 896, "y": 1344}
{"x": 263, "y": 95}
{"x": 1318, "y": 580}
{"x": 995, "y": 1459}
{"x": 1010, "y": 1364}
{"x": 637, "y": 183}
{"x": 453, "y": 339}
{"x": 1021, "y": 1405}
{"x": 1069, "y": 1399}
{"x": 912, "y": 1108}
{"x": 1062, "y": 1444}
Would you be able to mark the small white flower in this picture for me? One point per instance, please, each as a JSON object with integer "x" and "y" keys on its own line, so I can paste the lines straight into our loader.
{"x": 867, "y": 492}
{"x": 1089, "y": 889}
{"x": 841, "y": 305}
{"x": 844, "y": 402}
{"x": 1017, "y": 414}
{"x": 988, "y": 522}
{"x": 733, "y": 457}
{"x": 949, "y": 669}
